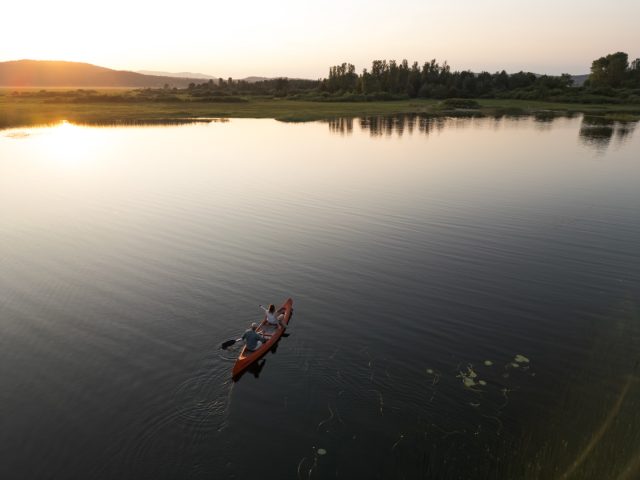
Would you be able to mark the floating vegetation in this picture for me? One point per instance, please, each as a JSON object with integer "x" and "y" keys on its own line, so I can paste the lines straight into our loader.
{"x": 300, "y": 466}
{"x": 500, "y": 425}
{"x": 381, "y": 400}
{"x": 488, "y": 363}
{"x": 468, "y": 378}
{"x": 399, "y": 440}
{"x": 436, "y": 375}
{"x": 504, "y": 392}
{"x": 322, "y": 451}
{"x": 515, "y": 365}
{"x": 468, "y": 381}
{"x": 521, "y": 359}
{"x": 328, "y": 419}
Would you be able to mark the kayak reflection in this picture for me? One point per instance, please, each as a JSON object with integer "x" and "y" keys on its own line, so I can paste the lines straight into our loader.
{"x": 255, "y": 368}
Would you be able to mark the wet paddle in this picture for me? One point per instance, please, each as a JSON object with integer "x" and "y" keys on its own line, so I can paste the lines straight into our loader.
{"x": 229, "y": 342}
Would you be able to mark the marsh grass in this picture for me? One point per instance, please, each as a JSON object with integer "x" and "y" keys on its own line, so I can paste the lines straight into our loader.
{"x": 29, "y": 107}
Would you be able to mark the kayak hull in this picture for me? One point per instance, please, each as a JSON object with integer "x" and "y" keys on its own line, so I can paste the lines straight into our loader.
{"x": 247, "y": 357}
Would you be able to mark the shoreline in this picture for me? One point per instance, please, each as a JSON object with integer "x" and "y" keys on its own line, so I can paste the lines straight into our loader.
{"x": 17, "y": 111}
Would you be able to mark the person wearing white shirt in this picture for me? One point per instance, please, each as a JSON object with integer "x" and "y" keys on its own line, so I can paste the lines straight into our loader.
{"x": 271, "y": 317}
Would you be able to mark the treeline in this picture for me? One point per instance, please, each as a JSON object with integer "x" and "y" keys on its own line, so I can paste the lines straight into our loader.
{"x": 612, "y": 79}
{"x": 431, "y": 80}
{"x": 278, "y": 87}
{"x": 385, "y": 81}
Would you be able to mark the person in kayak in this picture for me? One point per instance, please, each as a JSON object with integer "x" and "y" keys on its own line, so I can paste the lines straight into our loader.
{"x": 253, "y": 339}
{"x": 271, "y": 316}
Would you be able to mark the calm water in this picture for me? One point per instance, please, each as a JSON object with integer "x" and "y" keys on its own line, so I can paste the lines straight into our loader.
{"x": 425, "y": 257}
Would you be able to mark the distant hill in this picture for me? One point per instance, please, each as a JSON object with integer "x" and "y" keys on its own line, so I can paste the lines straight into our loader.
{"x": 44, "y": 73}
{"x": 578, "y": 80}
{"x": 255, "y": 79}
{"x": 200, "y": 76}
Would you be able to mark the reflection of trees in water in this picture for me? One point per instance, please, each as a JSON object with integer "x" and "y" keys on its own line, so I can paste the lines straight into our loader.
{"x": 624, "y": 130}
{"x": 388, "y": 125}
{"x": 399, "y": 124}
{"x": 597, "y": 132}
{"x": 544, "y": 120}
{"x": 341, "y": 125}
{"x": 410, "y": 123}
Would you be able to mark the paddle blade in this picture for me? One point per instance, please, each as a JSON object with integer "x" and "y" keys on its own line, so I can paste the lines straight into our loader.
{"x": 228, "y": 343}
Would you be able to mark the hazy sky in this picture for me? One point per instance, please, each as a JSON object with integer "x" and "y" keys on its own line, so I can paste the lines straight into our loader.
{"x": 298, "y": 38}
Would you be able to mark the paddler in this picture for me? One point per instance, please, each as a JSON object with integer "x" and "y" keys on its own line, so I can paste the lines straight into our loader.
{"x": 271, "y": 316}
{"x": 253, "y": 339}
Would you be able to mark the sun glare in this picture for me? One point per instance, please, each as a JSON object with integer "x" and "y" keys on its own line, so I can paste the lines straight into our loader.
{"x": 68, "y": 144}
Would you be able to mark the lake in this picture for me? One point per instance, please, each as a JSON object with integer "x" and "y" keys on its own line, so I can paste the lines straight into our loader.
{"x": 466, "y": 295}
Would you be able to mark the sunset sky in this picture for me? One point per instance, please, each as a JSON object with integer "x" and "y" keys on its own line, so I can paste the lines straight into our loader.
{"x": 298, "y": 38}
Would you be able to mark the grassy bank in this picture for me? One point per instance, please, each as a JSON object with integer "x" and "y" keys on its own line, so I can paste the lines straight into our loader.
{"x": 110, "y": 106}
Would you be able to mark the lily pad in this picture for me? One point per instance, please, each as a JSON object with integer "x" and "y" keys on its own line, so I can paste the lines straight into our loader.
{"x": 468, "y": 381}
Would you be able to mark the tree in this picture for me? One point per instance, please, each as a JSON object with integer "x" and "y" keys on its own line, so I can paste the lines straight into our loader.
{"x": 282, "y": 86}
{"x": 501, "y": 80}
{"x": 609, "y": 71}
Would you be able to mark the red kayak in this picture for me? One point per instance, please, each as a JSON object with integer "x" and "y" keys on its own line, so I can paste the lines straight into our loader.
{"x": 271, "y": 333}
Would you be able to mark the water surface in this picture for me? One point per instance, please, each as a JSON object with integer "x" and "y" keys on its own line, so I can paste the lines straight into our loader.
{"x": 419, "y": 252}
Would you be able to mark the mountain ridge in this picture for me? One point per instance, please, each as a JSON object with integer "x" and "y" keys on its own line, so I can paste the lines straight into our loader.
{"x": 59, "y": 73}
{"x": 156, "y": 73}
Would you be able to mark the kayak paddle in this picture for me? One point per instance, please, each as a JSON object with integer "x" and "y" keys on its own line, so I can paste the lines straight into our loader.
{"x": 229, "y": 342}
